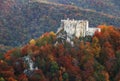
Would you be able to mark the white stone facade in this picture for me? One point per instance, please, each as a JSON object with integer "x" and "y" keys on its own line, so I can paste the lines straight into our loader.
{"x": 91, "y": 31}
{"x": 77, "y": 28}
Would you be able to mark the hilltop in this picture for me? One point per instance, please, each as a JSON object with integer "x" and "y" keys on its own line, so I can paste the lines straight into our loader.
{"x": 43, "y": 60}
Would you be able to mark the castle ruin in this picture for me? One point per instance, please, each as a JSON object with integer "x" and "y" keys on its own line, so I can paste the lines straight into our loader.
{"x": 77, "y": 28}
{"x": 72, "y": 29}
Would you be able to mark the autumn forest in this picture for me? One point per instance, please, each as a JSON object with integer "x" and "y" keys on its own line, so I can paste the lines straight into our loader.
{"x": 94, "y": 59}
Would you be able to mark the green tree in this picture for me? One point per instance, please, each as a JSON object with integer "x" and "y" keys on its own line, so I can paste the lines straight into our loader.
{"x": 53, "y": 67}
{"x": 65, "y": 76}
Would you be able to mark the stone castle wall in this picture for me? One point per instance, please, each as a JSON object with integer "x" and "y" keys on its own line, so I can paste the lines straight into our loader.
{"x": 75, "y": 27}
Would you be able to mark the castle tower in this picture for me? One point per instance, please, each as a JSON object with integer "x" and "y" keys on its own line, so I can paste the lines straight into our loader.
{"x": 81, "y": 28}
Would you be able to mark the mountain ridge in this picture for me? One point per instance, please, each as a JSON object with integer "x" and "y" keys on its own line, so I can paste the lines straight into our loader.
{"x": 105, "y": 6}
{"x": 84, "y": 9}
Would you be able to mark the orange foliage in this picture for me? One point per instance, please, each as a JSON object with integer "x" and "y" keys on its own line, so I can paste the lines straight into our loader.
{"x": 8, "y": 54}
{"x": 106, "y": 75}
{"x": 11, "y": 79}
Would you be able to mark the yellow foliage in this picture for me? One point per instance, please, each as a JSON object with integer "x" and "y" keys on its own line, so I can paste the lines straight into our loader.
{"x": 52, "y": 33}
{"x": 2, "y": 79}
{"x": 32, "y": 42}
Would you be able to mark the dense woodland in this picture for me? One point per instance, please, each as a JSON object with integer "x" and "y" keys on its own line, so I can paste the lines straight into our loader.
{"x": 105, "y": 6}
{"x": 97, "y": 60}
{"x": 21, "y": 20}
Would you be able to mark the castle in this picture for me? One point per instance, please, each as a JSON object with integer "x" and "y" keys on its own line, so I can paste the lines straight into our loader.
{"x": 70, "y": 29}
{"x": 77, "y": 28}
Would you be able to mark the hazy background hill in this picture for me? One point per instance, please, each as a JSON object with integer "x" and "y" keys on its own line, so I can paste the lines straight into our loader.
{"x": 21, "y": 20}
{"x": 105, "y": 6}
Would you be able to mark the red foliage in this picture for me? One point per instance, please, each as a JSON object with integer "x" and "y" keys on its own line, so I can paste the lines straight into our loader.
{"x": 66, "y": 61}
{"x": 22, "y": 77}
{"x": 8, "y": 54}
{"x": 37, "y": 76}
{"x": 109, "y": 50}
{"x": 61, "y": 50}
{"x": 6, "y": 71}
{"x": 24, "y": 50}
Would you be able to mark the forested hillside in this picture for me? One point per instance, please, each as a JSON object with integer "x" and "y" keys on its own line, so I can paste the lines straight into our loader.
{"x": 105, "y": 6}
{"x": 21, "y": 20}
{"x": 44, "y": 60}
{"x": 40, "y": 55}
